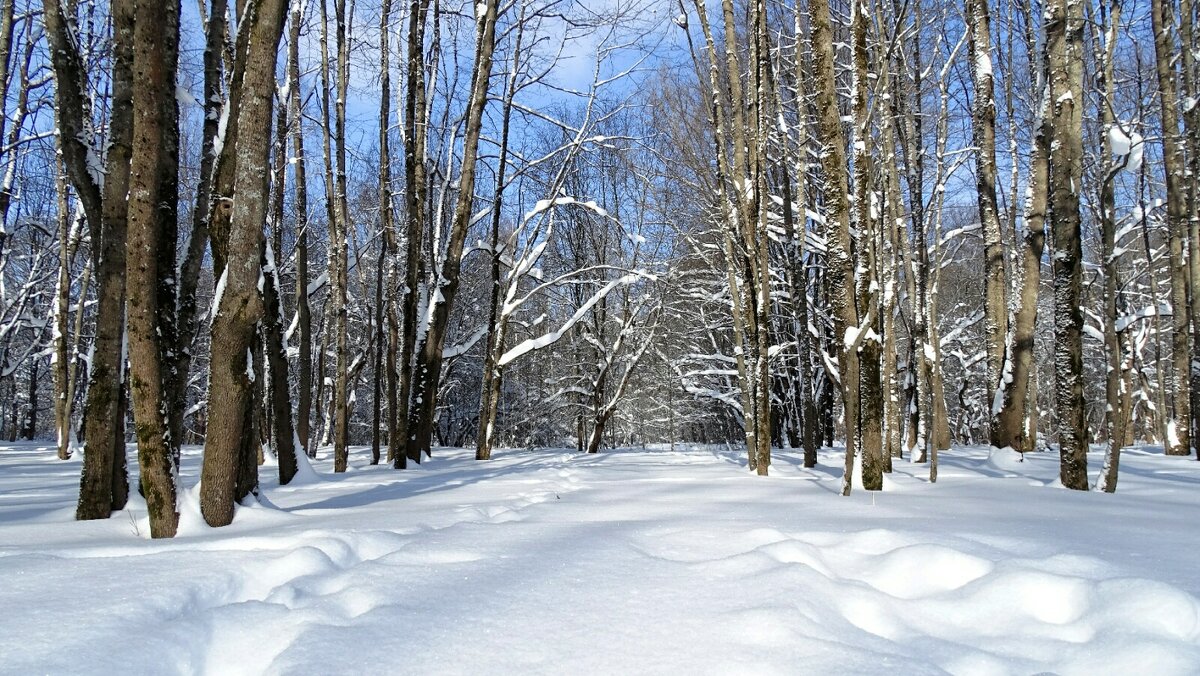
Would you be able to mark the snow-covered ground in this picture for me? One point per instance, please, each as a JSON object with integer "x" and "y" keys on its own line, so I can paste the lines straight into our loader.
{"x": 638, "y": 561}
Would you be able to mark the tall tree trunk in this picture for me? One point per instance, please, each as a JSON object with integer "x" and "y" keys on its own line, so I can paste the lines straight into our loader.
{"x": 62, "y": 308}
{"x": 278, "y": 430}
{"x": 1064, "y": 40}
{"x": 1189, "y": 90}
{"x": 866, "y": 279}
{"x": 1118, "y": 383}
{"x": 415, "y": 127}
{"x": 995, "y": 315}
{"x": 387, "y": 231}
{"x": 103, "y": 478}
{"x": 156, "y": 30}
{"x": 198, "y": 239}
{"x": 427, "y": 377}
{"x": 341, "y": 377}
{"x": 1178, "y": 426}
{"x": 240, "y": 306}
{"x": 303, "y": 313}
{"x": 840, "y": 270}
{"x": 1011, "y": 427}
{"x": 492, "y": 373}
{"x": 733, "y": 220}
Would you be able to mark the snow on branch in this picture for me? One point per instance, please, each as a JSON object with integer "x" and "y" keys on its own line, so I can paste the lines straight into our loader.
{"x": 550, "y": 338}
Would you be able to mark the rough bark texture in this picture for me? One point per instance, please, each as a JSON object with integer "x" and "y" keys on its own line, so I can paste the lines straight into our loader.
{"x": 240, "y": 306}
{"x": 282, "y": 432}
{"x": 1064, "y": 39}
{"x": 1010, "y": 429}
{"x": 387, "y": 231}
{"x": 197, "y": 244}
{"x": 493, "y": 376}
{"x": 103, "y": 483}
{"x": 153, "y": 92}
{"x": 840, "y": 274}
{"x": 1118, "y": 382}
{"x": 866, "y": 281}
{"x": 338, "y": 243}
{"x": 414, "y": 189}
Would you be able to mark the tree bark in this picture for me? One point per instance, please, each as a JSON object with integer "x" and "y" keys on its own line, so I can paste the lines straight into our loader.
{"x": 840, "y": 270}
{"x": 1178, "y": 426}
{"x": 300, "y": 179}
{"x": 156, "y": 29}
{"x": 240, "y": 306}
{"x": 1064, "y": 40}
{"x": 102, "y": 485}
{"x": 415, "y": 125}
{"x": 387, "y": 231}
{"x": 427, "y": 377}
{"x": 493, "y": 375}
{"x": 995, "y": 315}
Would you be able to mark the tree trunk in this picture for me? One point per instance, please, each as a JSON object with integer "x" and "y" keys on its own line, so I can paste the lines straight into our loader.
{"x": 62, "y": 306}
{"x": 492, "y": 373}
{"x": 416, "y": 128}
{"x": 840, "y": 271}
{"x": 303, "y": 313}
{"x": 1011, "y": 429}
{"x": 187, "y": 327}
{"x": 1178, "y": 426}
{"x": 240, "y": 306}
{"x": 103, "y": 478}
{"x": 282, "y": 436}
{"x": 995, "y": 316}
{"x": 156, "y": 28}
{"x": 1118, "y": 383}
{"x": 866, "y": 279}
{"x": 339, "y": 240}
{"x": 1064, "y": 40}
{"x": 387, "y": 231}
{"x": 427, "y": 377}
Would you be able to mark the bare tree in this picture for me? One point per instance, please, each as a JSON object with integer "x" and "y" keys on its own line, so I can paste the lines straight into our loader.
{"x": 428, "y": 369}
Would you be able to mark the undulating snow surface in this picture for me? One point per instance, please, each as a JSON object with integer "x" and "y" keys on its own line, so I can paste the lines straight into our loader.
{"x": 638, "y": 561}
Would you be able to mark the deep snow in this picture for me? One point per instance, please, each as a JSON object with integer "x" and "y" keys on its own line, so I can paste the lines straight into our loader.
{"x": 637, "y": 561}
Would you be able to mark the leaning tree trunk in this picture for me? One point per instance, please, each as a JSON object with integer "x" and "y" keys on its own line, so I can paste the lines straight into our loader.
{"x": 427, "y": 377}
{"x": 493, "y": 376}
{"x": 240, "y": 306}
